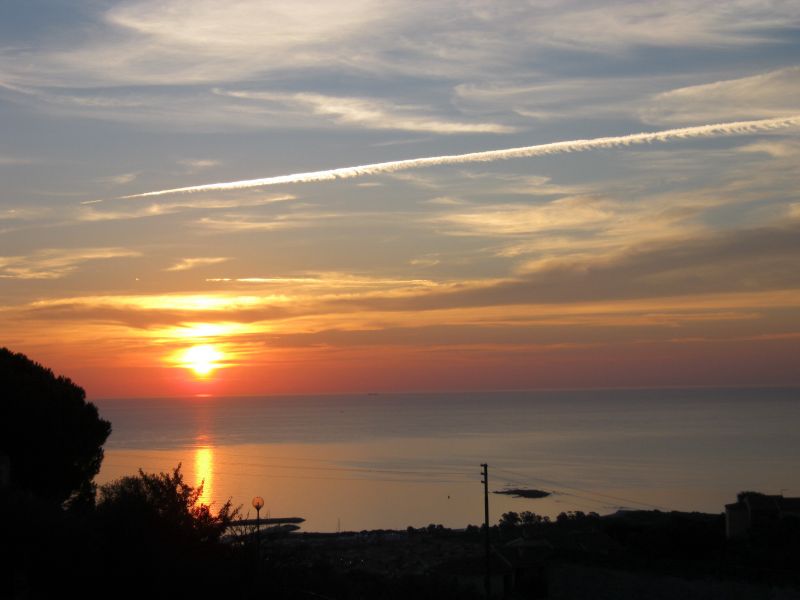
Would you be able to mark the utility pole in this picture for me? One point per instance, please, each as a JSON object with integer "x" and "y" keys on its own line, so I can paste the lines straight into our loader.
{"x": 485, "y": 482}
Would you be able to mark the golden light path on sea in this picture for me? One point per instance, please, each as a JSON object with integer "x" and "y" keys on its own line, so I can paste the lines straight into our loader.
{"x": 204, "y": 472}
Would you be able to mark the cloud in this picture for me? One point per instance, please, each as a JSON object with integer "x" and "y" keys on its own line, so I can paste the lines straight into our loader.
{"x": 524, "y": 185}
{"x": 175, "y": 108}
{"x": 424, "y": 262}
{"x": 782, "y": 149}
{"x": 194, "y": 165}
{"x": 766, "y": 95}
{"x": 517, "y": 329}
{"x": 95, "y": 211}
{"x": 333, "y": 281}
{"x": 445, "y": 67}
{"x": 736, "y": 261}
{"x": 514, "y": 219}
{"x": 56, "y": 263}
{"x": 232, "y": 223}
{"x": 613, "y": 27}
{"x": 192, "y": 303}
{"x": 265, "y": 300}
{"x": 583, "y": 224}
{"x": 191, "y": 263}
{"x": 444, "y": 201}
{"x": 120, "y": 179}
{"x": 370, "y": 113}
{"x": 7, "y": 160}
{"x": 539, "y": 96}
{"x": 24, "y": 213}
{"x": 714, "y": 130}
{"x": 176, "y": 42}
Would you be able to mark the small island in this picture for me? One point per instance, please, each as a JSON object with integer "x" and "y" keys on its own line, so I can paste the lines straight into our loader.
{"x": 520, "y": 493}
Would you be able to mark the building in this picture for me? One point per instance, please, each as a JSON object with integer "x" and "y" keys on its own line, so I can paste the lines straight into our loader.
{"x": 754, "y": 510}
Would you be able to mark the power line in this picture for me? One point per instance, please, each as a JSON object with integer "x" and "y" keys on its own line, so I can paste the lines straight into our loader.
{"x": 585, "y": 491}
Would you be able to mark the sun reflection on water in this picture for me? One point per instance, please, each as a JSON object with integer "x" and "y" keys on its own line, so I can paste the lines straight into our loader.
{"x": 204, "y": 471}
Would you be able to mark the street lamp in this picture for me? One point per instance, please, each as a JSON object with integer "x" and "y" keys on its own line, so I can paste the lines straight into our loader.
{"x": 258, "y": 504}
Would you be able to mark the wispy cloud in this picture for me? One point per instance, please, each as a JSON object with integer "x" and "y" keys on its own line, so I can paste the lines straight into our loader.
{"x": 736, "y": 261}
{"x": 539, "y": 97}
{"x": 24, "y": 213}
{"x": 444, "y": 201}
{"x": 760, "y": 96}
{"x": 612, "y": 27}
{"x": 56, "y": 263}
{"x": 290, "y": 220}
{"x": 504, "y": 219}
{"x": 156, "y": 62}
{"x": 182, "y": 41}
{"x": 188, "y": 42}
{"x": 195, "y": 165}
{"x": 167, "y": 302}
{"x": 424, "y": 262}
{"x": 120, "y": 179}
{"x": 371, "y": 113}
{"x": 191, "y": 263}
{"x": 714, "y": 130}
{"x": 231, "y": 223}
{"x": 7, "y": 160}
{"x": 333, "y": 281}
{"x": 776, "y": 149}
{"x": 95, "y": 211}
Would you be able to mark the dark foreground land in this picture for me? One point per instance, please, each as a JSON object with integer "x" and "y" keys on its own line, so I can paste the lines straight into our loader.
{"x": 638, "y": 554}
{"x": 642, "y": 554}
{"x": 134, "y": 545}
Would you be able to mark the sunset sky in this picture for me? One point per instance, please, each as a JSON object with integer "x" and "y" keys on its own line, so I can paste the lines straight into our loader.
{"x": 673, "y": 262}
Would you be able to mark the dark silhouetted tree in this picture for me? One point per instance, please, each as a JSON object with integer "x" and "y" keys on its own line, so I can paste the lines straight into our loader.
{"x": 162, "y": 504}
{"x": 509, "y": 521}
{"x": 51, "y": 435}
{"x": 529, "y": 518}
{"x": 150, "y": 527}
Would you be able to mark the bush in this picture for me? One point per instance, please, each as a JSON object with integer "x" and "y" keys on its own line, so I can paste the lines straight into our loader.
{"x": 150, "y": 527}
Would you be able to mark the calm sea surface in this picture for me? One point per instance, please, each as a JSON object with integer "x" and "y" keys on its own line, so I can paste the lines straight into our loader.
{"x": 393, "y": 460}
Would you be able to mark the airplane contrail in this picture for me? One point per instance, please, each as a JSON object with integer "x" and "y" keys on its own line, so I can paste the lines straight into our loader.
{"x": 715, "y": 130}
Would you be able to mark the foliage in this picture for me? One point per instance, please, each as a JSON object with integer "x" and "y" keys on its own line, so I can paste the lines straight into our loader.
{"x": 149, "y": 527}
{"x": 509, "y": 520}
{"x": 162, "y": 504}
{"x": 577, "y": 517}
{"x": 51, "y": 435}
{"x": 529, "y": 518}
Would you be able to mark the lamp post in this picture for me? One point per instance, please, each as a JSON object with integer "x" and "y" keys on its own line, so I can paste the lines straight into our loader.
{"x": 258, "y": 504}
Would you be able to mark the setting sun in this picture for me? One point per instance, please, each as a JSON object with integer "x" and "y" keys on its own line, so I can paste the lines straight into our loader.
{"x": 203, "y": 360}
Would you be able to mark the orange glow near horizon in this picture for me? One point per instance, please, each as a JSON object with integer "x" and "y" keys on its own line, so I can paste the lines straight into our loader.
{"x": 320, "y": 346}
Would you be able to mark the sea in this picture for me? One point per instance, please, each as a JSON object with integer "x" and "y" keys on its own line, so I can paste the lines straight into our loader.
{"x": 390, "y": 461}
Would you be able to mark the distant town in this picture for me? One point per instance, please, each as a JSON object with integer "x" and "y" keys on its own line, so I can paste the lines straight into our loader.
{"x": 752, "y": 550}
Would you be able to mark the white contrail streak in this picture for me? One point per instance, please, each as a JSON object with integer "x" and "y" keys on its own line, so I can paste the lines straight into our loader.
{"x": 719, "y": 129}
